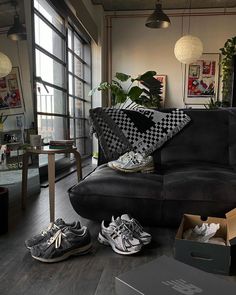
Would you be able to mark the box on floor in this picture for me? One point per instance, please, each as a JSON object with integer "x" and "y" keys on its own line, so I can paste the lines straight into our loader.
{"x": 209, "y": 257}
{"x": 167, "y": 276}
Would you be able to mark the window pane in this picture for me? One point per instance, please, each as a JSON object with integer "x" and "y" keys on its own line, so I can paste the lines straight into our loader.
{"x": 78, "y": 47}
{"x": 78, "y": 88}
{"x": 71, "y": 90}
{"x": 49, "y": 70}
{"x": 78, "y": 68}
{"x": 48, "y": 39}
{"x": 53, "y": 101}
{"x": 69, "y": 38}
{"x": 79, "y": 128}
{"x": 50, "y": 14}
{"x": 72, "y": 135}
{"x": 70, "y": 62}
{"x": 71, "y": 106}
{"x": 79, "y": 113}
{"x": 51, "y": 127}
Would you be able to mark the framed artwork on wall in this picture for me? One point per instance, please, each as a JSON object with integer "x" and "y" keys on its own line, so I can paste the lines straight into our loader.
{"x": 162, "y": 79}
{"x": 11, "y": 99}
{"x": 202, "y": 80}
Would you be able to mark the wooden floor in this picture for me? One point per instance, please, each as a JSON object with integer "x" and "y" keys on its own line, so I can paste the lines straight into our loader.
{"x": 92, "y": 274}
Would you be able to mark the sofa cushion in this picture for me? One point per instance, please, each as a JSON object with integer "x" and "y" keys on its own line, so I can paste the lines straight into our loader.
{"x": 107, "y": 192}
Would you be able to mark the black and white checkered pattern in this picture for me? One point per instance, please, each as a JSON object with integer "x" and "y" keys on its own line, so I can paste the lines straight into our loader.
{"x": 165, "y": 126}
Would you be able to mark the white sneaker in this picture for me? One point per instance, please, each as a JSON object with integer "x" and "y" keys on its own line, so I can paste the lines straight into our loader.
{"x": 119, "y": 237}
{"x": 136, "y": 229}
{"x": 133, "y": 162}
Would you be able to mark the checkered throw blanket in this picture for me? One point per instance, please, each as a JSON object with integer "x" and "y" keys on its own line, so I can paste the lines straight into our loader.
{"x": 140, "y": 130}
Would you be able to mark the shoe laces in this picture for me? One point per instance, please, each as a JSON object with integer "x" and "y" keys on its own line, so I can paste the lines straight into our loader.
{"x": 134, "y": 225}
{"x": 123, "y": 231}
{"x": 51, "y": 226}
{"x": 56, "y": 239}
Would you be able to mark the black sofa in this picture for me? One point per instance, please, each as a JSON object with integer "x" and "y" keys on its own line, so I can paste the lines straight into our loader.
{"x": 195, "y": 173}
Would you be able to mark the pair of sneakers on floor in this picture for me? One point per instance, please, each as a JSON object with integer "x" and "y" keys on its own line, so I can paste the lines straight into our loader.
{"x": 133, "y": 162}
{"x": 59, "y": 241}
{"x": 124, "y": 234}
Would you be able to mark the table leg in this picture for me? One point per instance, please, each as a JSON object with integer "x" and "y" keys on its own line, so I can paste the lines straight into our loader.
{"x": 78, "y": 165}
{"x": 24, "y": 180}
{"x": 51, "y": 181}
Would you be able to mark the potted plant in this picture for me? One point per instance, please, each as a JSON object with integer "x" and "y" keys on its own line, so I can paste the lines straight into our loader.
{"x": 147, "y": 95}
{"x": 228, "y": 51}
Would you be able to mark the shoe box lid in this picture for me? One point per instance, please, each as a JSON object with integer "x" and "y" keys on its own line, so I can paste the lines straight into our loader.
{"x": 167, "y": 276}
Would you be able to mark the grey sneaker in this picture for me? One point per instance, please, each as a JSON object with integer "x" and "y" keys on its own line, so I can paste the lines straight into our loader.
{"x": 136, "y": 229}
{"x": 119, "y": 237}
{"x": 47, "y": 233}
{"x": 65, "y": 243}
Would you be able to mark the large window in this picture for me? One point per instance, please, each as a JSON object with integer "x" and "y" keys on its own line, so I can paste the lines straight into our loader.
{"x": 63, "y": 77}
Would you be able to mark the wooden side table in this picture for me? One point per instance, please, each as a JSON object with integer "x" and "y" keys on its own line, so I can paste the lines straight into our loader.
{"x": 51, "y": 172}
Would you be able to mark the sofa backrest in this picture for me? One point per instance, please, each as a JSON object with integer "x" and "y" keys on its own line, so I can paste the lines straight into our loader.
{"x": 210, "y": 137}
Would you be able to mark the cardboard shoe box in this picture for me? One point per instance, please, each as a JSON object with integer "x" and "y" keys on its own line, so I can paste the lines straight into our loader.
{"x": 209, "y": 257}
{"x": 167, "y": 276}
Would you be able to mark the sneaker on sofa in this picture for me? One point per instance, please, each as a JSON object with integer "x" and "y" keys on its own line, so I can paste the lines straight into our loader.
{"x": 136, "y": 229}
{"x": 133, "y": 162}
{"x": 63, "y": 244}
{"x": 47, "y": 233}
{"x": 119, "y": 237}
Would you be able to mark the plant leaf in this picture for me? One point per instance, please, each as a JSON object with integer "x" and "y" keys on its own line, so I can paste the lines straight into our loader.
{"x": 122, "y": 77}
{"x": 135, "y": 92}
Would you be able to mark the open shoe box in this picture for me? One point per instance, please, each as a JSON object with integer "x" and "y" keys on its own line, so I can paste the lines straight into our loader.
{"x": 209, "y": 257}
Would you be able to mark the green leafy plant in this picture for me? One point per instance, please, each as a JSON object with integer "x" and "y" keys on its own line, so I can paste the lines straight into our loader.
{"x": 148, "y": 96}
{"x": 228, "y": 51}
{"x": 215, "y": 104}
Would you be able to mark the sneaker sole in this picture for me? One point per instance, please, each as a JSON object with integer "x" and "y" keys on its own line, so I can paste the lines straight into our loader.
{"x": 103, "y": 240}
{"x": 79, "y": 251}
{"x": 138, "y": 169}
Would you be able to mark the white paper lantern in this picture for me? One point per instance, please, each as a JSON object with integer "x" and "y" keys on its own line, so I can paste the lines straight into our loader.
{"x": 188, "y": 49}
{"x": 5, "y": 65}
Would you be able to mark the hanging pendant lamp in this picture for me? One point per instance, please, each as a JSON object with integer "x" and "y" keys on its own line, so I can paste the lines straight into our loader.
{"x": 188, "y": 48}
{"x": 17, "y": 32}
{"x": 5, "y": 65}
{"x": 158, "y": 19}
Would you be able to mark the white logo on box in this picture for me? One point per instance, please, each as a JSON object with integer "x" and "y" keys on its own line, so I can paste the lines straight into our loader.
{"x": 183, "y": 287}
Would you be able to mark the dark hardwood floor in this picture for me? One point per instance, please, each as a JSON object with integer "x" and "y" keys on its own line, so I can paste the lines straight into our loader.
{"x": 91, "y": 274}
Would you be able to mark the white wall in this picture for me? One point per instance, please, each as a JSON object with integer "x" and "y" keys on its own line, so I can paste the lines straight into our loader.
{"x": 136, "y": 48}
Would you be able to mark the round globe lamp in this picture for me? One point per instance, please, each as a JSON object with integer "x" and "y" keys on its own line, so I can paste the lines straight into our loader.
{"x": 5, "y": 65}
{"x": 188, "y": 49}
